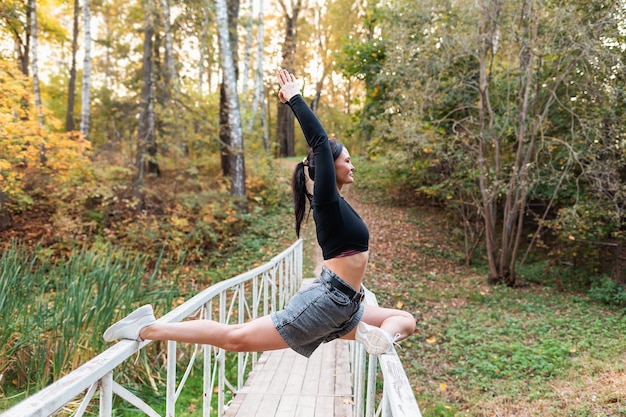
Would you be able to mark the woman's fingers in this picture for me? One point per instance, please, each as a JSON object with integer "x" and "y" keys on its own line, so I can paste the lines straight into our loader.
{"x": 284, "y": 77}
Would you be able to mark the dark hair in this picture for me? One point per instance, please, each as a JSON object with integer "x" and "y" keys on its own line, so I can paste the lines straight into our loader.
{"x": 298, "y": 181}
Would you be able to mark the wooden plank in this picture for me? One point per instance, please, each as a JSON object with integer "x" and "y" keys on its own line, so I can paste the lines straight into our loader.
{"x": 246, "y": 405}
{"x": 328, "y": 370}
{"x": 306, "y": 406}
{"x": 268, "y": 405}
{"x": 297, "y": 375}
{"x": 283, "y": 368}
{"x": 344, "y": 398}
{"x": 313, "y": 369}
{"x": 288, "y": 406}
{"x": 324, "y": 406}
{"x": 286, "y": 384}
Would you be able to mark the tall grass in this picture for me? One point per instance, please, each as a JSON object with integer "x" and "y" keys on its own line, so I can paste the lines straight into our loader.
{"x": 53, "y": 314}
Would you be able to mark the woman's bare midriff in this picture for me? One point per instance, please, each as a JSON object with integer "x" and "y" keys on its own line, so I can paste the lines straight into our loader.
{"x": 351, "y": 268}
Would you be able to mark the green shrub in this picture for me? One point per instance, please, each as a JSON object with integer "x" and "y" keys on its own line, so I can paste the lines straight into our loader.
{"x": 608, "y": 291}
{"x": 54, "y": 311}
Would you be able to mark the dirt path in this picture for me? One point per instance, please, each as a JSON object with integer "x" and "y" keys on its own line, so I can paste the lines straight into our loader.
{"x": 400, "y": 237}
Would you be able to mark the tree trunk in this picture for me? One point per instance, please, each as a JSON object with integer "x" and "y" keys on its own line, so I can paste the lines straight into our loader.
{"x": 171, "y": 77}
{"x": 259, "y": 86}
{"x": 203, "y": 46}
{"x": 247, "y": 53}
{"x": 319, "y": 85}
{"x": 225, "y": 144}
{"x": 488, "y": 139}
{"x": 227, "y": 153}
{"x": 285, "y": 122}
{"x": 238, "y": 178}
{"x": 71, "y": 93}
{"x": 35, "y": 63}
{"x": 23, "y": 42}
{"x": 146, "y": 128}
{"x": 6, "y": 221}
{"x": 85, "y": 116}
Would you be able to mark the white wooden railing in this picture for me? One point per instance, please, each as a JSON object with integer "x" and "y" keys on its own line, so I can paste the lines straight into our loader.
{"x": 252, "y": 294}
{"x": 397, "y": 399}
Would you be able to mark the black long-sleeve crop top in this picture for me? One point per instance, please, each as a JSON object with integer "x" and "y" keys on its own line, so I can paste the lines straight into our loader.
{"x": 339, "y": 228}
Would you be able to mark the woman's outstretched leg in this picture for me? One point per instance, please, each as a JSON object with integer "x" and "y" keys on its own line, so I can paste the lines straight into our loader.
{"x": 255, "y": 336}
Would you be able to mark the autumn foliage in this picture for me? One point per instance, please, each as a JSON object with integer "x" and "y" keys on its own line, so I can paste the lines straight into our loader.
{"x": 34, "y": 159}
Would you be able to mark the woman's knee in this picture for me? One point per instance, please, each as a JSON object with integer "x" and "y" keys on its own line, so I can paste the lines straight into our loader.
{"x": 408, "y": 320}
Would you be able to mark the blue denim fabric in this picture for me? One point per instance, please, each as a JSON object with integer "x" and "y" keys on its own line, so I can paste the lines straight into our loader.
{"x": 317, "y": 314}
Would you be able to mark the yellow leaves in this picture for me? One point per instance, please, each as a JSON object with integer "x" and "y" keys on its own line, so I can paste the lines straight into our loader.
{"x": 443, "y": 386}
{"x": 28, "y": 150}
{"x": 399, "y": 305}
{"x": 180, "y": 223}
{"x": 431, "y": 340}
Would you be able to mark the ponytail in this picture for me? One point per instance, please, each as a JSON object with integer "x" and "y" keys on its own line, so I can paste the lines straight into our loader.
{"x": 300, "y": 195}
{"x": 305, "y": 171}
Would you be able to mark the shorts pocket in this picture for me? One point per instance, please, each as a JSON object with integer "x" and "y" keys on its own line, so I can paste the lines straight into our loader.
{"x": 338, "y": 297}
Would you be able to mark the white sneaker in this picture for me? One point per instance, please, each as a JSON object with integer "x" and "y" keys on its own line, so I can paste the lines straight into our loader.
{"x": 376, "y": 340}
{"x": 130, "y": 326}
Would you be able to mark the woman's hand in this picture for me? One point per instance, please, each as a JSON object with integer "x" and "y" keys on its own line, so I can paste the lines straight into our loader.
{"x": 288, "y": 86}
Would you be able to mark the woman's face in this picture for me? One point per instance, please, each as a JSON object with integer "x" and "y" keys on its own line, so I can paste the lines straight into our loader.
{"x": 344, "y": 169}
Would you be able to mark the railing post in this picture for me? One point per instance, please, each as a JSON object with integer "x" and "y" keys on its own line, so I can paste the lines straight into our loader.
{"x": 386, "y": 412}
{"x": 370, "y": 403}
{"x": 170, "y": 390}
{"x": 221, "y": 355}
{"x": 241, "y": 355}
{"x": 209, "y": 366}
{"x": 106, "y": 395}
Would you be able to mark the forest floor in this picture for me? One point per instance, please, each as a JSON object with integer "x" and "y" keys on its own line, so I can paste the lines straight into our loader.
{"x": 479, "y": 350}
{"x": 484, "y": 350}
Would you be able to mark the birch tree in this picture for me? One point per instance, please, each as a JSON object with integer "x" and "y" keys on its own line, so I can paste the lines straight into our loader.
{"x": 238, "y": 178}
{"x": 35, "y": 62}
{"x": 146, "y": 140}
{"x": 258, "y": 100}
{"x": 247, "y": 54}
{"x": 204, "y": 39}
{"x": 227, "y": 151}
{"x": 71, "y": 89}
{"x": 85, "y": 116}
{"x": 171, "y": 76}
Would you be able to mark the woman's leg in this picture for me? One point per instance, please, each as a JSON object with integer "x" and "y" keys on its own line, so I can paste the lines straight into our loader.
{"x": 257, "y": 335}
{"x": 398, "y": 324}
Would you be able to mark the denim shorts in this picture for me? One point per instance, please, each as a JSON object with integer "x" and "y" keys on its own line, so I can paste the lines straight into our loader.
{"x": 317, "y": 314}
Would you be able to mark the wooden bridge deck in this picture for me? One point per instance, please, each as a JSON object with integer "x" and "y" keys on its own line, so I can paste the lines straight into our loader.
{"x": 286, "y": 384}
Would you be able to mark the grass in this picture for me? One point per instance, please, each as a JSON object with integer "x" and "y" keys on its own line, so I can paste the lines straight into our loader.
{"x": 478, "y": 349}
{"x": 543, "y": 350}
{"x": 550, "y": 349}
{"x": 53, "y": 314}
{"x": 54, "y": 309}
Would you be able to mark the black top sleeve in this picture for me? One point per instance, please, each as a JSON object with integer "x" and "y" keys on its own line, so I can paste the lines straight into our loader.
{"x": 325, "y": 183}
{"x": 339, "y": 228}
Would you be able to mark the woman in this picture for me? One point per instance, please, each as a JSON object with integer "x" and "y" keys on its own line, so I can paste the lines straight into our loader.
{"x": 332, "y": 306}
